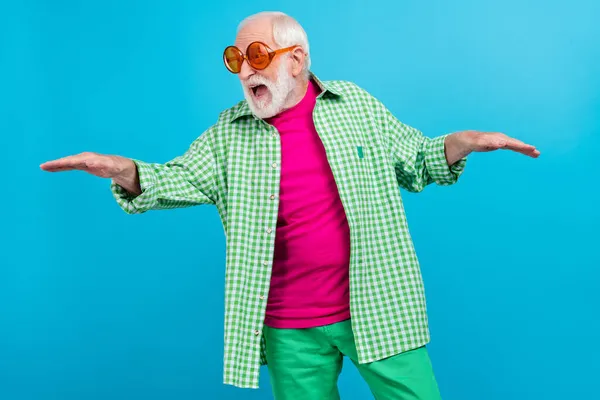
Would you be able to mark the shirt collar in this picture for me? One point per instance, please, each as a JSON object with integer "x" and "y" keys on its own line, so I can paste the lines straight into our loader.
{"x": 243, "y": 109}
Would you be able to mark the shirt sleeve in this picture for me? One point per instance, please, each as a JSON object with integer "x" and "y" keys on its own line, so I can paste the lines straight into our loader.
{"x": 418, "y": 160}
{"x": 185, "y": 181}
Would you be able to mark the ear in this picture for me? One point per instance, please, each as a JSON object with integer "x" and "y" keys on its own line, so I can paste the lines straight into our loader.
{"x": 298, "y": 57}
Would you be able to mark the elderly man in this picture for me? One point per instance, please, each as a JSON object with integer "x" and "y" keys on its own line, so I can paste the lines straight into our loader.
{"x": 305, "y": 176}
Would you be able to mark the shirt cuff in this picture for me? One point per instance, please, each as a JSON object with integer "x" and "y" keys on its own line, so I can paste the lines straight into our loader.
{"x": 132, "y": 204}
{"x": 437, "y": 165}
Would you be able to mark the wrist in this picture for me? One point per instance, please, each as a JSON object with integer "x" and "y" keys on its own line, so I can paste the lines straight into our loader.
{"x": 127, "y": 175}
{"x": 126, "y": 168}
{"x": 462, "y": 143}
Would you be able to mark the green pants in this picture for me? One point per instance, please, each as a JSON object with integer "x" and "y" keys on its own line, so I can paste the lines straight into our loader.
{"x": 304, "y": 364}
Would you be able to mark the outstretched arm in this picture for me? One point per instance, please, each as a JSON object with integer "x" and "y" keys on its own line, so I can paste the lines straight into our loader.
{"x": 420, "y": 161}
{"x": 187, "y": 180}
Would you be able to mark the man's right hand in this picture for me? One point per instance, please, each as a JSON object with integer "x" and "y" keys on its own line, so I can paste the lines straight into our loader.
{"x": 123, "y": 171}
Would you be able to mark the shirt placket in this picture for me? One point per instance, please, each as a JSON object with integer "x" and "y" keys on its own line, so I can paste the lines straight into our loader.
{"x": 271, "y": 169}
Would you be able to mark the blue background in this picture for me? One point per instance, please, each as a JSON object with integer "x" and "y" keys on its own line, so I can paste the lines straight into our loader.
{"x": 96, "y": 304}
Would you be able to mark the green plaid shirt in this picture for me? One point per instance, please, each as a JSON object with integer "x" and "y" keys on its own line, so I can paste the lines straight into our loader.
{"x": 235, "y": 165}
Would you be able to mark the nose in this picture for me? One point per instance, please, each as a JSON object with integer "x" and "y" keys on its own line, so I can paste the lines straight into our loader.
{"x": 246, "y": 71}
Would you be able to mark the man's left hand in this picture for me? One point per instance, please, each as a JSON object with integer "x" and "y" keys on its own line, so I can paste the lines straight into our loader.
{"x": 461, "y": 144}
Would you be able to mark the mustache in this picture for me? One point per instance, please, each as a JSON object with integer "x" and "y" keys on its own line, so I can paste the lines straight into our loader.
{"x": 257, "y": 80}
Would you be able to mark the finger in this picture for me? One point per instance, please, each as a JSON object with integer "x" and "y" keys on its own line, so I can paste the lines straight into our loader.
{"x": 58, "y": 169}
{"x": 65, "y": 165}
{"x": 520, "y": 147}
{"x": 70, "y": 162}
{"x": 517, "y": 145}
{"x": 533, "y": 153}
{"x": 498, "y": 135}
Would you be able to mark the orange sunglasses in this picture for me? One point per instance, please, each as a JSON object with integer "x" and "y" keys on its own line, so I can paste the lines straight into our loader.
{"x": 258, "y": 54}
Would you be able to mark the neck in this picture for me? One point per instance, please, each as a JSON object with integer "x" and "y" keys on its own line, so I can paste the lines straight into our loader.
{"x": 297, "y": 94}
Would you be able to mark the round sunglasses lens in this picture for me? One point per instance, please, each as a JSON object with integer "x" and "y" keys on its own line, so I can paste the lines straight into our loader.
{"x": 258, "y": 56}
{"x": 233, "y": 59}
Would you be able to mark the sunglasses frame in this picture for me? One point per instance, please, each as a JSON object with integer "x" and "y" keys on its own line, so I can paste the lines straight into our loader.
{"x": 270, "y": 52}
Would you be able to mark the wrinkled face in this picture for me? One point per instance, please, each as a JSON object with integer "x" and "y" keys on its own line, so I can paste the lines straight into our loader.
{"x": 266, "y": 91}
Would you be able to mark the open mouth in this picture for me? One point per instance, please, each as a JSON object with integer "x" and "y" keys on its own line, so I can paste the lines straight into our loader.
{"x": 259, "y": 90}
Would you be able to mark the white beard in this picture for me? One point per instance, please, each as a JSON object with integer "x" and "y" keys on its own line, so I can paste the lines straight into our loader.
{"x": 279, "y": 92}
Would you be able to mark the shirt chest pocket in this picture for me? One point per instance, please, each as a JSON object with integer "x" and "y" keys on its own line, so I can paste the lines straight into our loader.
{"x": 365, "y": 171}
{"x": 360, "y": 163}
{"x": 372, "y": 164}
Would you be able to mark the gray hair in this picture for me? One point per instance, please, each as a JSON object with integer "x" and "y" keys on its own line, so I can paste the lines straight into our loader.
{"x": 286, "y": 32}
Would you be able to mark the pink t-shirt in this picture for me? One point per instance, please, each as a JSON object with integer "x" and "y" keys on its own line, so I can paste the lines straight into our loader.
{"x": 309, "y": 283}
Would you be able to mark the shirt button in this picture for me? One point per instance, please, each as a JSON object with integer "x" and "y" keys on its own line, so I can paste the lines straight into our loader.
{"x": 274, "y": 134}
{"x": 274, "y": 165}
{"x": 261, "y": 297}
{"x": 272, "y": 197}
{"x": 269, "y": 230}
{"x": 265, "y": 263}
{"x": 256, "y": 333}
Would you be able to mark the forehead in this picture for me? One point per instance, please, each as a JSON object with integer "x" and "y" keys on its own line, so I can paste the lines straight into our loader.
{"x": 256, "y": 30}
